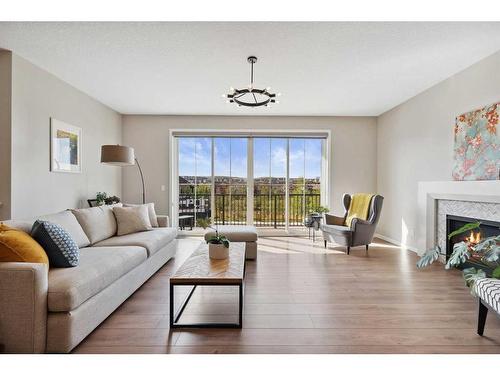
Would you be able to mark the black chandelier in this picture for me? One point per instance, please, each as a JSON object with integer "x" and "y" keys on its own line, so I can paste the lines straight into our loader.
{"x": 251, "y": 96}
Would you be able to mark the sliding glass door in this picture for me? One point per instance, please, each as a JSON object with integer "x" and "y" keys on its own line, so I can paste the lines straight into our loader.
{"x": 270, "y": 182}
{"x": 304, "y": 182}
{"x": 230, "y": 180}
{"x": 195, "y": 179}
{"x": 270, "y": 172}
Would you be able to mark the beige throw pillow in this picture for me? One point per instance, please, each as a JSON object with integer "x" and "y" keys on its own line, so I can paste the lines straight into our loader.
{"x": 132, "y": 219}
{"x": 151, "y": 212}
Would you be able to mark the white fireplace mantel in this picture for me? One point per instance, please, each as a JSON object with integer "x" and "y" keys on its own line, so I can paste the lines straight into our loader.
{"x": 429, "y": 192}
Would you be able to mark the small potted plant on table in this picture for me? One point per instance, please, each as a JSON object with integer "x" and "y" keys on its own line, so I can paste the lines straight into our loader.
{"x": 218, "y": 245}
{"x": 314, "y": 217}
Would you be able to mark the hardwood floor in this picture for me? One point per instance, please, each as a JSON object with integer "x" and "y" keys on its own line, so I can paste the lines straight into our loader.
{"x": 301, "y": 298}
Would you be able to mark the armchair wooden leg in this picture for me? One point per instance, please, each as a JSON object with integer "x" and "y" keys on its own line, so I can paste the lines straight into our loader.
{"x": 481, "y": 319}
{"x": 348, "y": 249}
{"x": 325, "y": 244}
{"x": 367, "y": 247}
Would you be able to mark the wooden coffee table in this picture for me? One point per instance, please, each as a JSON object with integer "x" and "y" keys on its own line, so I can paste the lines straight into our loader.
{"x": 199, "y": 269}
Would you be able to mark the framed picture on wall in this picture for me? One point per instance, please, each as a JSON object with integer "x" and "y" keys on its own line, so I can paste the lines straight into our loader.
{"x": 65, "y": 147}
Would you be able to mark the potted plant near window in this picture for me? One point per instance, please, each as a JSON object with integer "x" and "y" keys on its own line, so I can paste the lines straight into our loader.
{"x": 483, "y": 257}
{"x": 218, "y": 245}
{"x": 314, "y": 216}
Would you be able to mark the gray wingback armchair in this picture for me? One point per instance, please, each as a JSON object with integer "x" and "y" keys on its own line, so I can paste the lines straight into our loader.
{"x": 359, "y": 233}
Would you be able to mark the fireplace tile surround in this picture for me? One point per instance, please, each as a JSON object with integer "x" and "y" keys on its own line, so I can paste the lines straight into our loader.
{"x": 436, "y": 199}
{"x": 477, "y": 210}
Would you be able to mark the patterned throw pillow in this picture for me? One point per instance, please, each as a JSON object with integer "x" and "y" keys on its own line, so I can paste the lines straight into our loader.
{"x": 60, "y": 248}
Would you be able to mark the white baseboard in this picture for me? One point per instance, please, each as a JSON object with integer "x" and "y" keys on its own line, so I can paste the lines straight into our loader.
{"x": 397, "y": 243}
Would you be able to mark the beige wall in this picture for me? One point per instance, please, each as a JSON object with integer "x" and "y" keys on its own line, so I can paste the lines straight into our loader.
{"x": 352, "y": 164}
{"x": 36, "y": 97}
{"x": 5, "y": 114}
{"x": 390, "y": 154}
{"x": 415, "y": 142}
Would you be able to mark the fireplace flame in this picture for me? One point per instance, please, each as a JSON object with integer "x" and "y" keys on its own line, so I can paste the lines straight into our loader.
{"x": 474, "y": 238}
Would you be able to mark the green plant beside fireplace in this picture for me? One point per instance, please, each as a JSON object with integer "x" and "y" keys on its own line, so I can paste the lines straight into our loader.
{"x": 484, "y": 255}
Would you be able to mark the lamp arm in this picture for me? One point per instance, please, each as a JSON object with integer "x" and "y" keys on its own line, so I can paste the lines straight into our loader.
{"x": 142, "y": 180}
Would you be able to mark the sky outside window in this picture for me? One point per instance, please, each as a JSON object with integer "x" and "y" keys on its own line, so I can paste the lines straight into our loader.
{"x": 231, "y": 157}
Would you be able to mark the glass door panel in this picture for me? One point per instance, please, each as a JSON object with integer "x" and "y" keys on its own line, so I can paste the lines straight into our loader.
{"x": 187, "y": 176}
{"x": 222, "y": 175}
{"x": 230, "y": 180}
{"x": 262, "y": 180}
{"x": 312, "y": 172}
{"x": 296, "y": 199}
{"x": 270, "y": 164}
{"x": 195, "y": 179}
{"x": 304, "y": 183}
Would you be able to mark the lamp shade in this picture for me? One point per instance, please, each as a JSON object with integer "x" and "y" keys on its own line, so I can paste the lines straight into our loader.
{"x": 117, "y": 155}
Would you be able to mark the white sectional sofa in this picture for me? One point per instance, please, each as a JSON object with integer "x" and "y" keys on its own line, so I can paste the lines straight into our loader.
{"x": 52, "y": 310}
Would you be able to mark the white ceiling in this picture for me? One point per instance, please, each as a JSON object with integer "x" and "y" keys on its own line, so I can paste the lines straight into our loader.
{"x": 333, "y": 68}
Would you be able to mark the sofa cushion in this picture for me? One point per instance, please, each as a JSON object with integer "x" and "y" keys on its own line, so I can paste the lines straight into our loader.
{"x": 68, "y": 222}
{"x": 152, "y": 240}
{"x": 99, "y": 267}
{"x": 132, "y": 219}
{"x": 23, "y": 225}
{"x": 235, "y": 233}
{"x": 151, "y": 212}
{"x": 64, "y": 218}
{"x": 57, "y": 243}
{"x": 98, "y": 223}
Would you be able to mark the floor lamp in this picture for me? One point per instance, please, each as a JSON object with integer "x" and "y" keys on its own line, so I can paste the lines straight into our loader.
{"x": 122, "y": 156}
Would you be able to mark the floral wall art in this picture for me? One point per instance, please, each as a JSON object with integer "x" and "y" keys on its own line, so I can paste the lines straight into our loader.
{"x": 477, "y": 145}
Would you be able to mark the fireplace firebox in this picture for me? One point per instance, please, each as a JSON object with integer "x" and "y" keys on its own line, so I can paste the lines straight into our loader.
{"x": 487, "y": 228}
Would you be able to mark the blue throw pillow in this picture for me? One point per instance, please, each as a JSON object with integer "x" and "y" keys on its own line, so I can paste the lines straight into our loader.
{"x": 60, "y": 248}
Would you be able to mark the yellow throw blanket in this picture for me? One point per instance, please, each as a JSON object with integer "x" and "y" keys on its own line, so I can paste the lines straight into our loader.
{"x": 360, "y": 204}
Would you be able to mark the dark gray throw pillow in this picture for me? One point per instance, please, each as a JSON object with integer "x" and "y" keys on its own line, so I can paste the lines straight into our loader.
{"x": 60, "y": 248}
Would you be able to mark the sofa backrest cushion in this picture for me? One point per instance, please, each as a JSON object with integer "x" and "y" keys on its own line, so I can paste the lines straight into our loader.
{"x": 68, "y": 222}
{"x": 98, "y": 223}
{"x": 18, "y": 246}
{"x": 65, "y": 219}
{"x": 24, "y": 225}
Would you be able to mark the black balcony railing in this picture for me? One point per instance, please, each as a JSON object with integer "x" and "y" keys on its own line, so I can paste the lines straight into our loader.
{"x": 268, "y": 210}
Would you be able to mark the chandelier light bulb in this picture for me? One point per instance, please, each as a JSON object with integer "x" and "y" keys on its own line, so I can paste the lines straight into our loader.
{"x": 268, "y": 89}
{"x": 278, "y": 94}
{"x": 231, "y": 89}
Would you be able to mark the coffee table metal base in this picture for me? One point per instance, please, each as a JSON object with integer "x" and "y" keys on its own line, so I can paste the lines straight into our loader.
{"x": 175, "y": 316}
